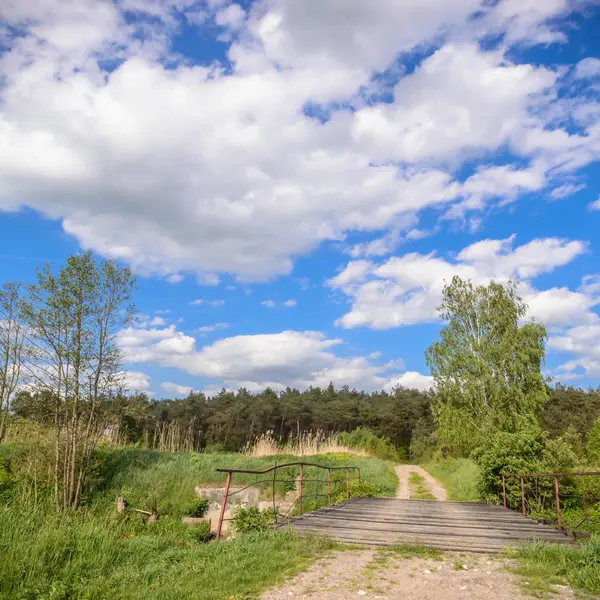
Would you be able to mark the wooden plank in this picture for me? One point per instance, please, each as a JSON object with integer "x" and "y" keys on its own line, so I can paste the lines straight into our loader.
{"x": 444, "y": 525}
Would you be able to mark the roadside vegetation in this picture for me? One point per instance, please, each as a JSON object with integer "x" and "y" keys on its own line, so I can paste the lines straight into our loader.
{"x": 418, "y": 488}
{"x": 460, "y": 477}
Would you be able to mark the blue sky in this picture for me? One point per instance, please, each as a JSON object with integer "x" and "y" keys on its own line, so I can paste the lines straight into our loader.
{"x": 293, "y": 182}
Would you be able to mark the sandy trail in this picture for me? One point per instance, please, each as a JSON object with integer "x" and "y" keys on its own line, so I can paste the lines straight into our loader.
{"x": 433, "y": 485}
{"x": 380, "y": 575}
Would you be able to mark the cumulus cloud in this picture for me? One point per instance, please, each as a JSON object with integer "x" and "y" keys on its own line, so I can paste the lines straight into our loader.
{"x": 412, "y": 380}
{"x": 407, "y": 289}
{"x": 289, "y": 358}
{"x": 174, "y": 389}
{"x": 103, "y": 126}
{"x": 594, "y": 205}
{"x": 135, "y": 381}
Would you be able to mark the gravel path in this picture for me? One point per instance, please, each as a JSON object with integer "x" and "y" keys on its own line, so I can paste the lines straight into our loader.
{"x": 434, "y": 486}
{"x": 382, "y": 575}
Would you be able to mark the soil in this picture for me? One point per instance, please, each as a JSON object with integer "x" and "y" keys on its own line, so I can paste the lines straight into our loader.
{"x": 433, "y": 485}
{"x": 385, "y": 575}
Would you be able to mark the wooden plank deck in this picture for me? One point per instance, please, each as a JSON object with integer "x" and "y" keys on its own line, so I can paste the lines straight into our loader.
{"x": 458, "y": 526}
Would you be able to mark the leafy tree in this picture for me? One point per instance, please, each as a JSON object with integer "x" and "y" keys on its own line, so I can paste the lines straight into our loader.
{"x": 73, "y": 318}
{"x": 487, "y": 366}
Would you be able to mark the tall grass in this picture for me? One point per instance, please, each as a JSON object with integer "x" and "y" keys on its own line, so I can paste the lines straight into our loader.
{"x": 50, "y": 557}
{"x": 546, "y": 564}
{"x": 460, "y": 477}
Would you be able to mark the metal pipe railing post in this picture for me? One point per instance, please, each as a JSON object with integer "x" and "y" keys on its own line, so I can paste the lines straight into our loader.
{"x": 329, "y": 487}
{"x": 523, "y": 497}
{"x": 223, "y": 505}
{"x": 557, "y": 498}
{"x": 504, "y": 489}
{"x": 301, "y": 484}
{"x": 347, "y": 485}
{"x": 358, "y": 476}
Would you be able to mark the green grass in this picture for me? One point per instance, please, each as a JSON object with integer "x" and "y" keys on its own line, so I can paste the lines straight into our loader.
{"x": 144, "y": 476}
{"x": 413, "y": 551}
{"x": 459, "y": 476}
{"x": 546, "y": 564}
{"x": 52, "y": 557}
{"x": 418, "y": 488}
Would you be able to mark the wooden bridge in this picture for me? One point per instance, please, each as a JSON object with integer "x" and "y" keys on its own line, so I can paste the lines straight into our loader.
{"x": 455, "y": 526}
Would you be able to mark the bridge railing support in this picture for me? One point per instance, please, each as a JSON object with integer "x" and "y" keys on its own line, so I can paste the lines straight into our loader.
{"x": 541, "y": 495}
{"x": 300, "y": 482}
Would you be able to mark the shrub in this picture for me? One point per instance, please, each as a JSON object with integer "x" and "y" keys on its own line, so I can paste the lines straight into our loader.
{"x": 593, "y": 443}
{"x": 199, "y": 507}
{"x": 251, "y": 519}
{"x": 364, "y": 439}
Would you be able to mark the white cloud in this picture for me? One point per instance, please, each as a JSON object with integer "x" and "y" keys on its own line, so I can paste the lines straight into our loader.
{"x": 278, "y": 360}
{"x": 297, "y": 181}
{"x": 197, "y": 302}
{"x": 175, "y": 278}
{"x": 176, "y": 389}
{"x": 594, "y": 205}
{"x": 231, "y": 17}
{"x": 588, "y": 67}
{"x": 407, "y": 289}
{"x": 582, "y": 341}
{"x": 157, "y": 321}
{"x": 412, "y": 380}
{"x": 290, "y": 303}
{"x": 268, "y": 304}
{"x": 210, "y": 328}
{"x": 566, "y": 190}
{"x": 136, "y": 381}
{"x": 217, "y": 303}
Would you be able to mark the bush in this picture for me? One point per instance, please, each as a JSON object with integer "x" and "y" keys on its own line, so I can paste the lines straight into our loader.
{"x": 199, "y": 507}
{"x": 364, "y": 439}
{"x": 252, "y": 519}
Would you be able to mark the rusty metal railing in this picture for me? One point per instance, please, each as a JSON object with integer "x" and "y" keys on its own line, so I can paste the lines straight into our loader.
{"x": 541, "y": 495}
{"x": 300, "y": 481}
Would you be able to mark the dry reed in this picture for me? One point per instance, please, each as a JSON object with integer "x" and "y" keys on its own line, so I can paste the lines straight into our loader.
{"x": 308, "y": 443}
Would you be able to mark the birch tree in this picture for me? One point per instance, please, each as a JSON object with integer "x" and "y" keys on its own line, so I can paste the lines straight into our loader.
{"x": 13, "y": 348}
{"x": 487, "y": 363}
{"x": 73, "y": 318}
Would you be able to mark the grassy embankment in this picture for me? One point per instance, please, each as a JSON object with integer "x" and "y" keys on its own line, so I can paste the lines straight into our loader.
{"x": 458, "y": 475}
{"x": 96, "y": 555}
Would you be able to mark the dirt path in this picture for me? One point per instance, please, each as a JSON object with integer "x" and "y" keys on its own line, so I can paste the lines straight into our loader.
{"x": 434, "y": 486}
{"x": 386, "y": 575}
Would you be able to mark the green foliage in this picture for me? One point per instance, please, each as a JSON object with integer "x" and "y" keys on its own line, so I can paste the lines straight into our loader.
{"x": 84, "y": 557}
{"x": 593, "y": 443}
{"x": 252, "y": 519}
{"x": 527, "y": 449}
{"x": 363, "y": 438}
{"x": 199, "y": 507}
{"x": 5, "y": 478}
{"x": 486, "y": 366}
{"x": 460, "y": 477}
